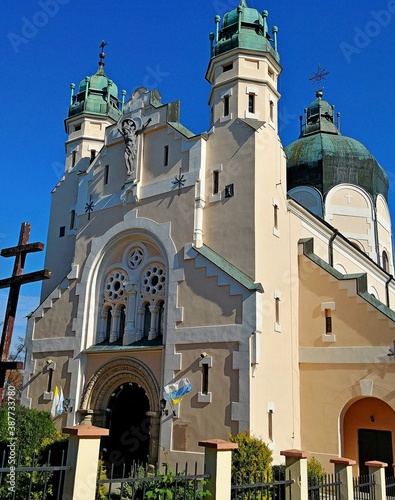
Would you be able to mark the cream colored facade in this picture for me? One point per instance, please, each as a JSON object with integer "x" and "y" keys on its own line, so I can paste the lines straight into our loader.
{"x": 199, "y": 266}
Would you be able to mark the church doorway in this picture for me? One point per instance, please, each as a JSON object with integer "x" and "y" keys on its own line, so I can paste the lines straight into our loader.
{"x": 372, "y": 443}
{"x": 129, "y": 425}
{"x": 369, "y": 433}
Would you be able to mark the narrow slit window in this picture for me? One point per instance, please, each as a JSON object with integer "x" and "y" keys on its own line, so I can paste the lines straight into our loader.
{"x": 271, "y": 111}
{"x": 328, "y": 321}
{"x": 251, "y": 103}
{"x": 277, "y": 309}
{"x": 215, "y": 182}
{"x": 226, "y": 105}
{"x": 166, "y": 156}
{"x": 73, "y": 158}
{"x": 108, "y": 324}
{"x": 62, "y": 231}
{"x": 72, "y": 219}
{"x": 385, "y": 262}
{"x": 205, "y": 379}
{"x": 93, "y": 155}
{"x": 106, "y": 173}
{"x": 275, "y": 216}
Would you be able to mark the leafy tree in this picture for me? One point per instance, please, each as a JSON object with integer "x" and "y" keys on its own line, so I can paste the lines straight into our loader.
{"x": 253, "y": 458}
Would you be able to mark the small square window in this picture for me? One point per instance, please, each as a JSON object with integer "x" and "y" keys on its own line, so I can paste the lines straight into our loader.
{"x": 77, "y": 127}
{"x": 228, "y": 67}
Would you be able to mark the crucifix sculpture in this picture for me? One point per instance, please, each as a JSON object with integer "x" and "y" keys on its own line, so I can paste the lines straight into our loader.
{"x": 14, "y": 283}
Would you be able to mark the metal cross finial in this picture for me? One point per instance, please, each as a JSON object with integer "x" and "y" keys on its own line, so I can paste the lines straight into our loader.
{"x": 89, "y": 207}
{"x": 102, "y": 55}
{"x": 319, "y": 75}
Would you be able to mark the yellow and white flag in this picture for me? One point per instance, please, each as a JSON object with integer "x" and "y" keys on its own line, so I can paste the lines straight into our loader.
{"x": 55, "y": 401}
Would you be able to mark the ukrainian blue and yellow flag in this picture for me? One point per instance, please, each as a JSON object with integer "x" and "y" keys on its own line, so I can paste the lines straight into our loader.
{"x": 177, "y": 390}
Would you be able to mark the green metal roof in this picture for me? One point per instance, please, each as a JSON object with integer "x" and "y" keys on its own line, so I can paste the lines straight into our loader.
{"x": 360, "y": 278}
{"x": 323, "y": 158}
{"x": 233, "y": 271}
{"x": 245, "y": 28}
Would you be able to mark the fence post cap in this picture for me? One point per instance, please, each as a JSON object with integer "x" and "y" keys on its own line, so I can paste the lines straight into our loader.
{"x": 376, "y": 463}
{"x": 219, "y": 444}
{"x": 342, "y": 461}
{"x": 87, "y": 431}
{"x": 294, "y": 454}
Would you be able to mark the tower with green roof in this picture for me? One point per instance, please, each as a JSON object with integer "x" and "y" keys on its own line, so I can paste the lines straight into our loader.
{"x": 244, "y": 67}
{"x": 92, "y": 108}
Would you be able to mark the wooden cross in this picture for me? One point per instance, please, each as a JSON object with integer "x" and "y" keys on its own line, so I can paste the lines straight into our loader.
{"x": 14, "y": 283}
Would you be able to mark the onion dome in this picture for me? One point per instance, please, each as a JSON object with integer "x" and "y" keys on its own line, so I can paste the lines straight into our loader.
{"x": 97, "y": 94}
{"x": 323, "y": 158}
{"x": 244, "y": 28}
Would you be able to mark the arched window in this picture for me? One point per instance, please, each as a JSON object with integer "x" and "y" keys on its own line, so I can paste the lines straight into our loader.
{"x": 385, "y": 262}
{"x": 161, "y": 318}
{"x": 122, "y": 322}
{"x": 147, "y": 320}
{"x": 108, "y": 324}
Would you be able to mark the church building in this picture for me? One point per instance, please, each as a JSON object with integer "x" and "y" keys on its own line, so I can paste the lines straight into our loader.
{"x": 258, "y": 274}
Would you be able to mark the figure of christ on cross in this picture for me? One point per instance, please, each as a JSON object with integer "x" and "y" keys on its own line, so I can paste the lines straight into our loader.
{"x": 14, "y": 283}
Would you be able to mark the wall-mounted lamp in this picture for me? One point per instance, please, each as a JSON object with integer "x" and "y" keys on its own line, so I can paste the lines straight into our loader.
{"x": 163, "y": 404}
{"x": 203, "y": 355}
{"x": 392, "y": 351}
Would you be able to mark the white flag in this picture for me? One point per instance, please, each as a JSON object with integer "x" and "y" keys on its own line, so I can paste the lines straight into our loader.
{"x": 55, "y": 401}
{"x": 60, "y": 405}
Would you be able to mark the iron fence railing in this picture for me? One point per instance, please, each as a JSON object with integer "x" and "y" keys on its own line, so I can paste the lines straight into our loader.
{"x": 324, "y": 488}
{"x": 28, "y": 479}
{"x": 364, "y": 487}
{"x": 143, "y": 480}
{"x": 258, "y": 486}
{"x": 390, "y": 487}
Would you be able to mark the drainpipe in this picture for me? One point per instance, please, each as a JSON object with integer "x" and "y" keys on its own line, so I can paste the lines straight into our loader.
{"x": 387, "y": 291}
{"x": 330, "y": 246}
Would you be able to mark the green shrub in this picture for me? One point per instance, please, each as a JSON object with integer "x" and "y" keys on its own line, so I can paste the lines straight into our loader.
{"x": 251, "y": 460}
{"x": 34, "y": 435}
{"x": 315, "y": 471}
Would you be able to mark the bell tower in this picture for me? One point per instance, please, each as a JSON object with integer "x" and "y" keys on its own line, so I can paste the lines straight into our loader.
{"x": 244, "y": 68}
{"x": 94, "y": 107}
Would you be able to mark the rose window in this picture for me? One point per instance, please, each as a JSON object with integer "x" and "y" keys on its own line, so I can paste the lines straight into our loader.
{"x": 114, "y": 288}
{"x": 136, "y": 257}
{"x": 153, "y": 280}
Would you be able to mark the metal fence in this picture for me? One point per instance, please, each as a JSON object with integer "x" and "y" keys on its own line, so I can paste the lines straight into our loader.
{"x": 28, "y": 479}
{"x": 258, "y": 486}
{"x": 364, "y": 487}
{"x": 143, "y": 480}
{"x": 325, "y": 487}
{"x": 390, "y": 487}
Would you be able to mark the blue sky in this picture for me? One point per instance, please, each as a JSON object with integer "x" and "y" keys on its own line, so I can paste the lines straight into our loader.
{"x": 47, "y": 44}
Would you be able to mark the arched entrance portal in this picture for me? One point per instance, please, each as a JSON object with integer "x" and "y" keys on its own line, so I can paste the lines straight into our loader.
{"x": 129, "y": 427}
{"x": 123, "y": 395}
{"x": 369, "y": 433}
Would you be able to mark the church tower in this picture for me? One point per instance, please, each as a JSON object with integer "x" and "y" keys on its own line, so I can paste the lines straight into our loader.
{"x": 94, "y": 107}
{"x": 244, "y": 67}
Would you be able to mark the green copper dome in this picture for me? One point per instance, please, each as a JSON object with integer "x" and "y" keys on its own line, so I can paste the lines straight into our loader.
{"x": 245, "y": 28}
{"x": 323, "y": 158}
{"x": 97, "y": 94}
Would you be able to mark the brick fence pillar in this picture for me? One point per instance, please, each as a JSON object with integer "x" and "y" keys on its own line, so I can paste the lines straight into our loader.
{"x": 82, "y": 456}
{"x": 296, "y": 469}
{"x": 377, "y": 469}
{"x": 343, "y": 471}
{"x": 218, "y": 463}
